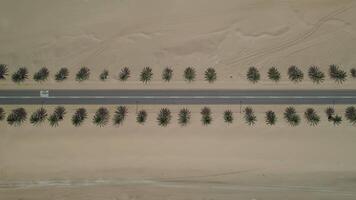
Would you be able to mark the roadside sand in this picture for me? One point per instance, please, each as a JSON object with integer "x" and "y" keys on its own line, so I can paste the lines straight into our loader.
{"x": 219, "y": 161}
{"x": 229, "y": 35}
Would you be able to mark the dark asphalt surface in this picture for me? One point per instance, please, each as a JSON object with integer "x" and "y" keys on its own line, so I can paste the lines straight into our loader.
{"x": 179, "y": 97}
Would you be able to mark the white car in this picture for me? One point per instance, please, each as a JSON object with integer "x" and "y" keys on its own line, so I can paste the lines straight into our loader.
{"x": 44, "y": 93}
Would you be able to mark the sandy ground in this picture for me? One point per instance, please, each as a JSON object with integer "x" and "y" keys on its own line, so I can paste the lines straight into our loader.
{"x": 229, "y": 35}
{"x": 219, "y": 161}
{"x": 149, "y": 162}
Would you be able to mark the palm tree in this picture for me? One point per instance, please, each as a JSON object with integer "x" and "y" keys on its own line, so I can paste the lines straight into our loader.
{"x": 210, "y": 75}
{"x": 316, "y": 75}
{"x": 62, "y": 74}
{"x": 57, "y": 116}
{"x": 167, "y": 74}
{"x": 120, "y": 115}
{"x": 206, "y": 116}
{"x": 164, "y": 117}
{"x": 104, "y": 75}
{"x": 337, "y": 74}
{"x": 2, "y": 114}
{"x": 38, "y": 116}
{"x": 124, "y": 74}
{"x": 253, "y": 75}
{"x": 20, "y": 75}
{"x": 350, "y": 114}
{"x": 228, "y": 116}
{"x": 336, "y": 120}
{"x": 271, "y": 118}
{"x": 3, "y": 71}
{"x": 250, "y": 117}
{"x": 41, "y": 75}
{"x": 146, "y": 75}
{"x": 291, "y": 116}
{"x": 189, "y": 74}
{"x": 273, "y": 74}
{"x": 330, "y": 111}
{"x": 312, "y": 117}
{"x": 295, "y": 74}
{"x": 79, "y": 116}
{"x": 184, "y": 116}
{"x": 101, "y": 117}
{"x": 141, "y": 117}
{"x": 352, "y": 72}
{"x": 83, "y": 74}
{"x": 17, "y": 117}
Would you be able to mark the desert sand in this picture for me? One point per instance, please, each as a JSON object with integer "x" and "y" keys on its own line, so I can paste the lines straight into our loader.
{"x": 219, "y": 161}
{"x": 228, "y": 35}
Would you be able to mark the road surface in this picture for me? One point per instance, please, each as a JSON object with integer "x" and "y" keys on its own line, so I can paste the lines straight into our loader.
{"x": 179, "y": 97}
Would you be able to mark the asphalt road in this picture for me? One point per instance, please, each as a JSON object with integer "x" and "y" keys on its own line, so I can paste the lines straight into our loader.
{"x": 179, "y": 97}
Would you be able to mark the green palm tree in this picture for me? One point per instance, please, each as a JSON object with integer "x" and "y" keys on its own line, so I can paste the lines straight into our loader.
{"x": 57, "y": 116}
{"x": 337, "y": 74}
{"x": 124, "y": 74}
{"x": 79, "y": 116}
{"x": 167, "y": 74}
{"x": 20, "y": 75}
{"x": 17, "y": 117}
{"x": 206, "y": 118}
{"x": 210, "y": 75}
{"x": 291, "y": 116}
{"x": 120, "y": 115}
{"x": 62, "y": 74}
{"x": 352, "y": 72}
{"x": 312, "y": 117}
{"x": 253, "y": 75}
{"x": 41, "y": 75}
{"x": 83, "y": 74}
{"x": 184, "y": 116}
{"x": 104, "y": 75}
{"x": 141, "y": 117}
{"x": 316, "y": 75}
{"x": 38, "y": 116}
{"x": 2, "y": 114}
{"x": 3, "y": 71}
{"x": 164, "y": 117}
{"x": 295, "y": 74}
{"x": 274, "y": 74}
{"x": 336, "y": 120}
{"x": 189, "y": 74}
{"x": 146, "y": 75}
{"x": 350, "y": 114}
{"x": 228, "y": 116}
{"x": 330, "y": 111}
{"x": 101, "y": 117}
{"x": 250, "y": 117}
{"x": 271, "y": 118}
